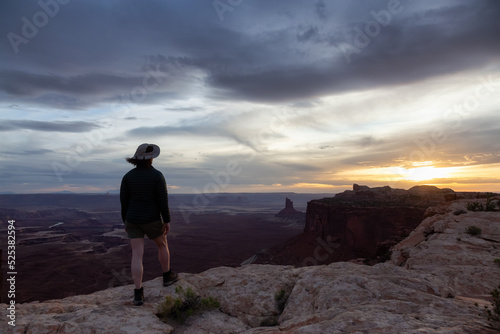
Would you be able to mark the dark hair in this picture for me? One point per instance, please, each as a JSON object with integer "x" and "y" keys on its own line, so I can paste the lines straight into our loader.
{"x": 140, "y": 162}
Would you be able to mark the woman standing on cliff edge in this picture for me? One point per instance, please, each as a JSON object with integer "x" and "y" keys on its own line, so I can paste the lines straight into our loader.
{"x": 145, "y": 211}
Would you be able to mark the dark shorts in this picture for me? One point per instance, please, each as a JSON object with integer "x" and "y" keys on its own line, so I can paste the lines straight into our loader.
{"x": 152, "y": 230}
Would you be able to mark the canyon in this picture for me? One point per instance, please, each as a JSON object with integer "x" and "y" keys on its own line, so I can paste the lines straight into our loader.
{"x": 362, "y": 223}
{"x": 437, "y": 279}
{"x": 70, "y": 244}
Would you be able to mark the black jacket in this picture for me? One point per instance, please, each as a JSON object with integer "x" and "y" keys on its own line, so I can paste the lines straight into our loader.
{"x": 144, "y": 197}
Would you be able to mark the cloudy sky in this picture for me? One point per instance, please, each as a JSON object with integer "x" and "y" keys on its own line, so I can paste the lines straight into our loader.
{"x": 250, "y": 95}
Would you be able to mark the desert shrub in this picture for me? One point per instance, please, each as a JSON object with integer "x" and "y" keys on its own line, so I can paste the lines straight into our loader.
{"x": 494, "y": 312}
{"x": 489, "y": 206}
{"x": 185, "y": 305}
{"x": 281, "y": 299}
{"x": 497, "y": 261}
{"x": 473, "y": 230}
{"x": 475, "y": 206}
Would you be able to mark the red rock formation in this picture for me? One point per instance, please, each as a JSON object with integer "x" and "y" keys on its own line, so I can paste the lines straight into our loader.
{"x": 362, "y": 223}
{"x": 289, "y": 212}
{"x": 360, "y": 230}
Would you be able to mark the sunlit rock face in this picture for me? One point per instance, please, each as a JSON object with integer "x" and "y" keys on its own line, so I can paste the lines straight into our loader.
{"x": 440, "y": 245}
{"x": 431, "y": 284}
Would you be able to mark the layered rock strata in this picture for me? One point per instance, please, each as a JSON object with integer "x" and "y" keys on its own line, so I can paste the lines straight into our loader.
{"x": 360, "y": 223}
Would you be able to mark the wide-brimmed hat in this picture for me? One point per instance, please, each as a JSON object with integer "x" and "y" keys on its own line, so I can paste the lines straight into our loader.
{"x": 147, "y": 151}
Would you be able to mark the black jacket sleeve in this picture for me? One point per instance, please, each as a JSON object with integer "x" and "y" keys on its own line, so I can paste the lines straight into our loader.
{"x": 124, "y": 198}
{"x": 162, "y": 196}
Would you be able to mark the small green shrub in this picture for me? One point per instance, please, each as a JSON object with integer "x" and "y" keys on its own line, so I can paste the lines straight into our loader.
{"x": 281, "y": 299}
{"x": 494, "y": 312}
{"x": 184, "y": 306}
{"x": 475, "y": 206}
{"x": 489, "y": 206}
{"x": 497, "y": 261}
{"x": 473, "y": 230}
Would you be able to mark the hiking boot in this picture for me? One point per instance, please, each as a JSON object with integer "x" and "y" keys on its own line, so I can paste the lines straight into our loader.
{"x": 170, "y": 278}
{"x": 139, "y": 296}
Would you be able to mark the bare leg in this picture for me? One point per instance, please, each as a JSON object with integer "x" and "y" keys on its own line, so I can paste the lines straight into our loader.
{"x": 163, "y": 252}
{"x": 136, "y": 264}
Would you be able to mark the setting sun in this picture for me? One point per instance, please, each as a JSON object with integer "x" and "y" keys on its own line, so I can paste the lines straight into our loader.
{"x": 426, "y": 173}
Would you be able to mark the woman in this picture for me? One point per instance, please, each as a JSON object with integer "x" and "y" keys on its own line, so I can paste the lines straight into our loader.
{"x": 145, "y": 211}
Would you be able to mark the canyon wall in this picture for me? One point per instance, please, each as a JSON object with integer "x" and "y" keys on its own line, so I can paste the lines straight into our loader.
{"x": 360, "y": 223}
{"x": 362, "y": 232}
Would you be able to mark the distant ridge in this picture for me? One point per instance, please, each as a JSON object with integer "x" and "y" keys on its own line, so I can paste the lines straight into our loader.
{"x": 111, "y": 199}
{"x": 63, "y": 192}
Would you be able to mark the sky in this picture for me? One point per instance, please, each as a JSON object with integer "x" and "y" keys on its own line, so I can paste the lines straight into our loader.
{"x": 250, "y": 95}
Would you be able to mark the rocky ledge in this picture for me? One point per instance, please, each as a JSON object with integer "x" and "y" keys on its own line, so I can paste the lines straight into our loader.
{"x": 437, "y": 281}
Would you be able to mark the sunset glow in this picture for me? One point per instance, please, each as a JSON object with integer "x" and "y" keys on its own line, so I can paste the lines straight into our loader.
{"x": 426, "y": 173}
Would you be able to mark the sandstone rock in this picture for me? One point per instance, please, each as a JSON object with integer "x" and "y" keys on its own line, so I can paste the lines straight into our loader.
{"x": 248, "y": 292}
{"x": 108, "y": 311}
{"x": 441, "y": 246}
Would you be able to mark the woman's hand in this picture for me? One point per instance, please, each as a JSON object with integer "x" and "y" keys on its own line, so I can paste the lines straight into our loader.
{"x": 166, "y": 228}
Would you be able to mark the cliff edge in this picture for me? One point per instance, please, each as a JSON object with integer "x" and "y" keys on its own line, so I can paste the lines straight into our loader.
{"x": 430, "y": 285}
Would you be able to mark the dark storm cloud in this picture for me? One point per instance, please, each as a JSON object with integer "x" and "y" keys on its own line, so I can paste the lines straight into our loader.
{"x": 264, "y": 64}
{"x": 427, "y": 44}
{"x": 28, "y": 152}
{"x": 80, "y": 91}
{"x": 14, "y": 125}
{"x": 321, "y": 10}
{"x": 305, "y": 34}
{"x": 23, "y": 83}
{"x": 92, "y": 51}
